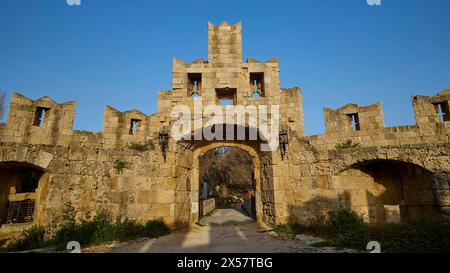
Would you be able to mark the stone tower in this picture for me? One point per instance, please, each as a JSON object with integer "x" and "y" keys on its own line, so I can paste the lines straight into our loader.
{"x": 225, "y": 79}
{"x": 225, "y": 44}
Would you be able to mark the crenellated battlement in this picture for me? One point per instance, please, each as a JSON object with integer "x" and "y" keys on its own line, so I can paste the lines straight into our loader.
{"x": 134, "y": 170}
{"x": 352, "y": 117}
{"x": 223, "y": 77}
{"x": 41, "y": 121}
{"x": 47, "y": 122}
{"x": 365, "y": 124}
{"x": 433, "y": 109}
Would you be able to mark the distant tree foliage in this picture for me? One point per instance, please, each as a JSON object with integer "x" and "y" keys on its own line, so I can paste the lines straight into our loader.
{"x": 232, "y": 164}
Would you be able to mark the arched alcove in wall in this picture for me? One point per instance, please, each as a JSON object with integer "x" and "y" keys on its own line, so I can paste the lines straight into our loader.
{"x": 388, "y": 191}
{"x": 21, "y": 187}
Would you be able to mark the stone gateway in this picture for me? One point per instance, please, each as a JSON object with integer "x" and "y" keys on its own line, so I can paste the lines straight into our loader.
{"x": 134, "y": 169}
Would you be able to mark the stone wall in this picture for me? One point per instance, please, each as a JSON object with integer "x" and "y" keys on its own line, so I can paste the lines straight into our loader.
{"x": 318, "y": 173}
{"x": 90, "y": 180}
{"x": 370, "y": 180}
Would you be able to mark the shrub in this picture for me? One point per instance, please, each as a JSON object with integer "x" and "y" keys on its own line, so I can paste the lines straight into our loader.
{"x": 87, "y": 232}
{"x": 101, "y": 229}
{"x": 66, "y": 230}
{"x": 142, "y": 147}
{"x": 64, "y": 234}
{"x": 284, "y": 229}
{"x": 343, "y": 221}
{"x": 346, "y": 229}
{"x": 128, "y": 229}
{"x": 30, "y": 239}
{"x": 155, "y": 228}
{"x": 98, "y": 229}
{"x": 119, "y": 165}
{"x": 349, "y": 144}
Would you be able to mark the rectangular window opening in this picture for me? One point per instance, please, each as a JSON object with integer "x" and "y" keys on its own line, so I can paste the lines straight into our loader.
{"x": 194, "y": 84}
{"x": 443, "y": 111}
{"x": 40, "y": 115}
{"x": 226, "y": 96}
{"x": 257, "y": 84}
{"x": 134, "y": 125}
{"x": 354, "y": 118}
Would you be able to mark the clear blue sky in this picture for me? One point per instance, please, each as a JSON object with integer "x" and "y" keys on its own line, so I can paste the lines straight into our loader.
{"x": 119, "y": 52}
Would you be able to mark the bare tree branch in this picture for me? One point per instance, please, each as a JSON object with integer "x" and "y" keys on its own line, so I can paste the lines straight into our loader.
{"x": 231, "y": 164}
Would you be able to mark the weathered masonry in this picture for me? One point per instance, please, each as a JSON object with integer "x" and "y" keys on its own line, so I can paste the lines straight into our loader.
{"x": 134, "y": 169}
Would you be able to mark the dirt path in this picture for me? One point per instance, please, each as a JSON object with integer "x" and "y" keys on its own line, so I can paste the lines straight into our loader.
{"x": 226, "y": 231}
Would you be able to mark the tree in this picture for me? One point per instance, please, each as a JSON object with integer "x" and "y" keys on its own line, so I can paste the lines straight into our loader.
{"x": 231, "y": 164}
{"x": 2, "y": 105}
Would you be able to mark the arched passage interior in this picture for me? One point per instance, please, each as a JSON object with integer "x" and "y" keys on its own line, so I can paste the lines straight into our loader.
{"x": 227, "y": 181}
{"x": 19, "y": 183}
{"x": 263, "y": 180}
{"x": 385, "y": 191}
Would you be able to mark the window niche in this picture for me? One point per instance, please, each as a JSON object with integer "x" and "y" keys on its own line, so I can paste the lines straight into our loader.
{"x": 257, "y": 84}
{"x": 134, "y": 126}
{"x": 226, "y": 96}
{"x": 443, "y": 111}
{"x": 40, "y": 115}
{"x": 18, "y": 188}
{"x": 194, "y": 84}
{"x": 354, "y": 121}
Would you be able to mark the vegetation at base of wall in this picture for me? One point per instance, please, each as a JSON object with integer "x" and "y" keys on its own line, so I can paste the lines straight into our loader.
{"x": 120, "y": 165}
{"x": 142, "y": 147}
{"x": 102, "y": 229}
{"x": 346, "y": 229}
{"x": 349, "y": 144}
{"x": 96, "y": 230}
{"x": 32, "y": 238}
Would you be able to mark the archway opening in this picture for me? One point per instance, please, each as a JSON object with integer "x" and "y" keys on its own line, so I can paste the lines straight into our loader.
{"x": 265, "y": 194}
{"x": 385, "y": 191}
{"x": 227, "y": 181}
{"x": 18, "y": 186}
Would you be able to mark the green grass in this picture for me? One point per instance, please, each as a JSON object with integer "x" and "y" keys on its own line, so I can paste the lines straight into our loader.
{"x": 346, "y": 229}
{"x": 97, "y": 230}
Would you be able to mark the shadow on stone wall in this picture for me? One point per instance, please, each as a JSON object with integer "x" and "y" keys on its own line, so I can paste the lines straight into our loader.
{"x": 380, "y": 191}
